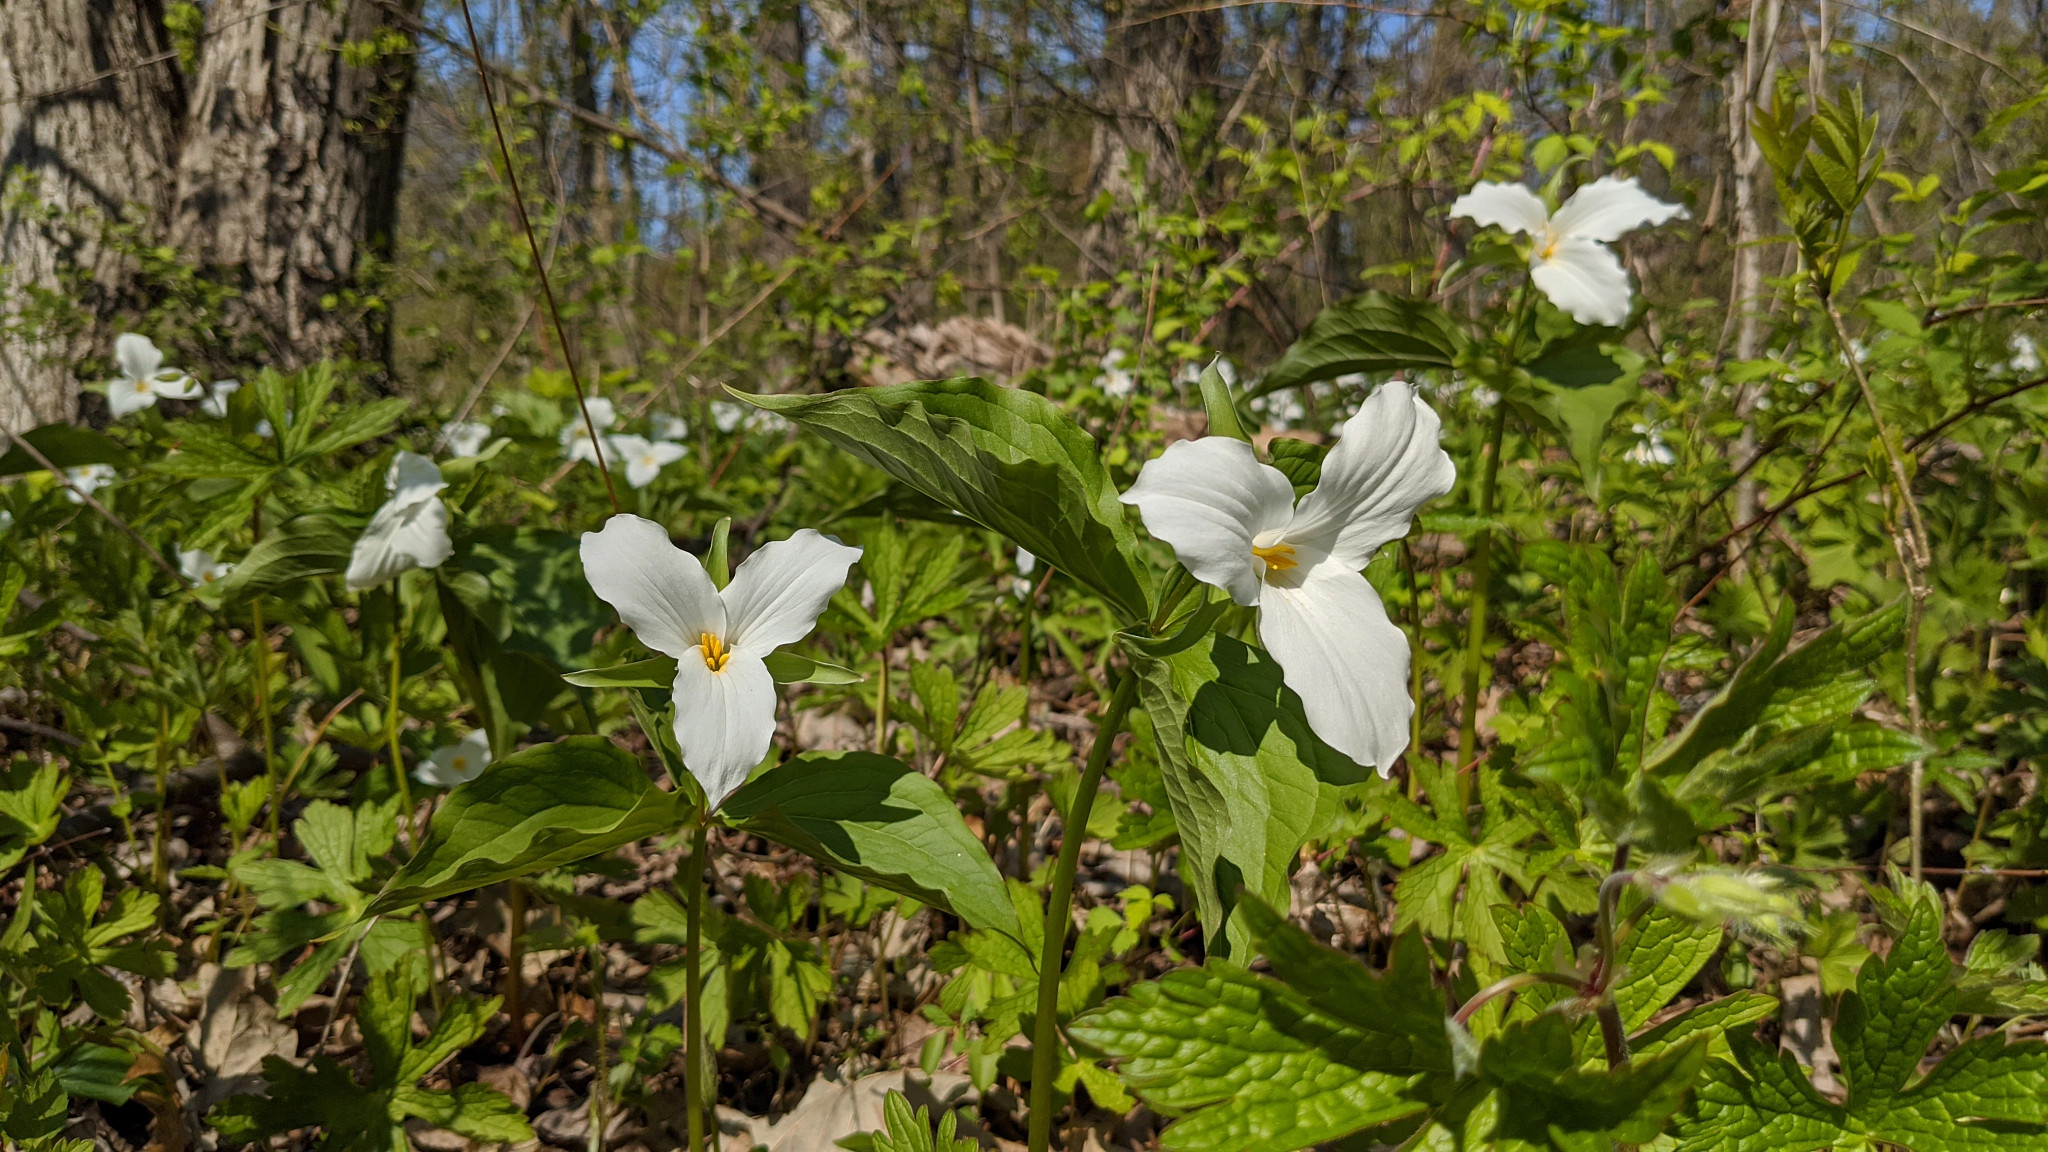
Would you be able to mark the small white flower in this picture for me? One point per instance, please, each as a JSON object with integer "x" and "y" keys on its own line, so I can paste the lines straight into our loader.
{"x": 726, "y": 415}
{"x": 86, "y": 479}
{"x": 198, "y": 566}
{"x": 467, "y": 437}
{"x": 457, "y": 763}
{"x": 643, "y": 459}
{"x": 215, "y": 404}
{"x": 1484, "y": 397}
{"x": 2026, "y": 358}
{"x": 762, "y": 420}
{"x": 1116, "y": 382}
{"x": 144, "y": 379}
{"x": 1026, "y": 563}
{"x": 6, "y": 521}
{"x": 1283, "y": 409}
{"x": 409, "y": 531}
{"x": 1233, "y": 521}
{"x": 1651, "y": 450}
{"x": 264, "y": 429}
{"x": 724, "y": 696}
{"x": 575, "y": 435}
{"x": 1570, "y": 260}
{"x": 668, "y": 426}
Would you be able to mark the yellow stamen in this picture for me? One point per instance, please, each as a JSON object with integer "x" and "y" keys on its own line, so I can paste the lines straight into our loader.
{"x": 715, "y": 651}
{"x": 1278, "y": 557}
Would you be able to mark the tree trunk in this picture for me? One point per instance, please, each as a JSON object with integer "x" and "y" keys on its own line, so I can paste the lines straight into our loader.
{"x": 90, "y": 102}
{"x": 288, "y": 180}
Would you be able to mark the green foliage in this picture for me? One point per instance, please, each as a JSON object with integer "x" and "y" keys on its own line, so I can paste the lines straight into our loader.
{"x": 908, "y": 1131}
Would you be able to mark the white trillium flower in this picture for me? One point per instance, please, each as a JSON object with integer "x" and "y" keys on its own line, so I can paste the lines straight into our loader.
{"x": 409, "y": 531}
{"x": 86, "y": 479}
{"x": 144, "y": 379}
{"x": 1233, "y": 521}
{"x": 643, "y": 459}
{"x": 467, "y": 437}
{"x": 669, "y": 427}
{"x": 457, "y": 763}
{"x": 1651, "y": 451}
{"x": 1570, "y": 261}
{"x": 724, "y": 696}
{"x": 1116, "y": 382}
{"x": 2026, "y": 358}
{"x": 726, "y": 415}
{"x": 575, "y": 436}
{"x": 198, "y": 566}
{"x": 215, "y": 403}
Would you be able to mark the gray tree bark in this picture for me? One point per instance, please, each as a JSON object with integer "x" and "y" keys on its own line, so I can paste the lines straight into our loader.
{"x": 90, "y": 105}
{"x": 288, "y": 181}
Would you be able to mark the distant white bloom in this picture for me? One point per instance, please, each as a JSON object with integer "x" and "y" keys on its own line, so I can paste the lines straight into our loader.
{"x": 216, "y": 402}
{"x": 264, "y": 429}
{"x": 643, "y": 459}
{"x": 1350, "y": 380}
{"x": 1283, "y": 409}
{"x": 726, "y": 415}
{"x": 762, "y": 420}
{"x": 6, "y": 520}
{"x": 198, "y": 566}
{"x": 456, "y": 763}
{"x": 575, "y": 436}
{"x": 1651, "y": 450}
{"x": 2026, "y": 358}
{"x": 724, "y": 696}
{"x": 1570, "y": 261}
{"x": 467, "y": 437}
{"x": 1234, "y": 522}
{"x": 1116, "y": 382}
{"x": 409, "y": 531}
{"x": 144, "y": 379}
{"x": 1484, "y": 397}
{"x": 86, "y": 479}
{"x": 668, "y": 426}
{"x": 1026, "y": 563}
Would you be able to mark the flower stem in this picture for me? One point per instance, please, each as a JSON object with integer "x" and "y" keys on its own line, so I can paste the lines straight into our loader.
{"x": 1482, "y": 576}
{"x": 159, "y": 865}
{"x": 695, "y": 1104}
{"x": 1045, "y": 1035}
{"x": 391, "y": 713}
{"x": 261, "y": 638}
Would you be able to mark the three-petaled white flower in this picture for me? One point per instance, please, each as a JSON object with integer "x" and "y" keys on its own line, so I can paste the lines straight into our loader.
{"x": 724, "y": 696}
{"x": 669, "y": 427}
{"x": 1570, "y": 260}
{"x": 87, "y": 479}
{"x": 1233, "y": 521}
{"x": 409, "y": 531}
{"x": 198, "y": 566}
{"x": 215, "y": 403}
{"x": 1116, "y": 381}
{"x": 144, "y": 379}
{"x": 466, "y": 437}
{"x": 643, "y": 459}
{"x": 456, "y": 763}
{"x": 575, "y": 436}
{"x": 2026, "y": 358}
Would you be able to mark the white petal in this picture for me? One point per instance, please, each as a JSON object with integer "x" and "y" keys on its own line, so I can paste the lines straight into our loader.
{"x": 1208, "y": 498}
{"x": 1608, "y": 208}
{"x": 1584, "y": 279}
{"x": 664, "y": 453}
{"x": 137, "y": 355}
{"x": 640, "y": 471}
{"x": 659, "y": 590}
{"x": 725, "y": 720}
{"x": 602, "y": 413}
{"x": 400, "y": 537}
{"x": 412, "y": 479}
{"x": 126, "y": 397}
{"x": 1344, "y": 658}
{"x": 1511, "y": 206}
{"x": 1386, "y": 465}
{"x": 627, "y": 444}
{"x": 776, "y": 596}
{"x": 467, "y": 437}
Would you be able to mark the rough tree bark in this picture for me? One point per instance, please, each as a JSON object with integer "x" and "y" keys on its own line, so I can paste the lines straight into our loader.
{"x": 90, "y": 103}
{"x": 288, "y": 180}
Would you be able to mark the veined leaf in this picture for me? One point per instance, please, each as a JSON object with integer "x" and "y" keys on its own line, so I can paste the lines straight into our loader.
{"x": 1371, "y": 332}
{"x": 301, "y": 548}
{"x": 66, "y": 446}
{"x": 1007, "y": 459}
{"x": 879, "y": 819}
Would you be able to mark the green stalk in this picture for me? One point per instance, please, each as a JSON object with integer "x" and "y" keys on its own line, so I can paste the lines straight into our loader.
{"x": 391, "y": 713}
{"x": 160, "y": 868}
{"x": 262, "y": 641}
{"x": 1482, "y": 576}
{"x": 695, "y": 1102}
{"x": 1045, "y": 1036}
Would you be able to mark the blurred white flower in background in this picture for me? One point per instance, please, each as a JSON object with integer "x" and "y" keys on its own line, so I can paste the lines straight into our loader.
{"x": 726, "y": 415}
{"x": 668, "y": 426}
{"x": 215, "y": 403}
{"x": 6, "y": 521}
{"x": 198, "y": 566}
{"x": 1570, "y": 261}
{"x": 409, "y": 531}
{"x": 1651, "y": 450}
{"x": 467, "y": 437}
{"x": 1282, "y": 410}
{"x": 643, "y": 459}
{"x": 86, "y": 479}
{"x": 2026, "y": 358}
{"x": 456, "y": 763}
{"x": 575, "y": 435}
{"x": 1115, "y": 381}
{"x": 144, "y": 379}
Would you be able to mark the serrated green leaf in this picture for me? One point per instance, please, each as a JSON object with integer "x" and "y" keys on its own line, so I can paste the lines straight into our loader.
{"x": 1658, "y": 959}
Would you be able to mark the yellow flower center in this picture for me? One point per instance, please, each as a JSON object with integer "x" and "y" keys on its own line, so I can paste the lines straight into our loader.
{"x": 461, "y": 763}
{"x": 1278, "y": 557}
{"x": 1550, "y": 242}
{"x": 141, "y": 386}
{"x": 715, "y": 651}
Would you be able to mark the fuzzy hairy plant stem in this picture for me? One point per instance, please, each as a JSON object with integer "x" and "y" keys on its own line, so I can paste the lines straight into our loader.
{"x": 1045, "y": 1033}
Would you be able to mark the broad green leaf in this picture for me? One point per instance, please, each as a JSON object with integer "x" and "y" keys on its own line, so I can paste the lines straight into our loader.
{"x": 66, "y": 446}
{"x": 654, "y": 672}
{"x": 1712, "y": 1019}
{"x": 1241, "y": 769}
{"x": 1298, "y": 460}
{"x": 1658, "y": 959}
{"x": 879, "y": 819}
{"x": 301, "y": 548}
{"x": 1371, "y": 332}
{"x": 1543, "y": 1092}
{"x": 1007, "y": 459}
{"x": 533, "y": 810}
{"x": 790, "y": 668}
